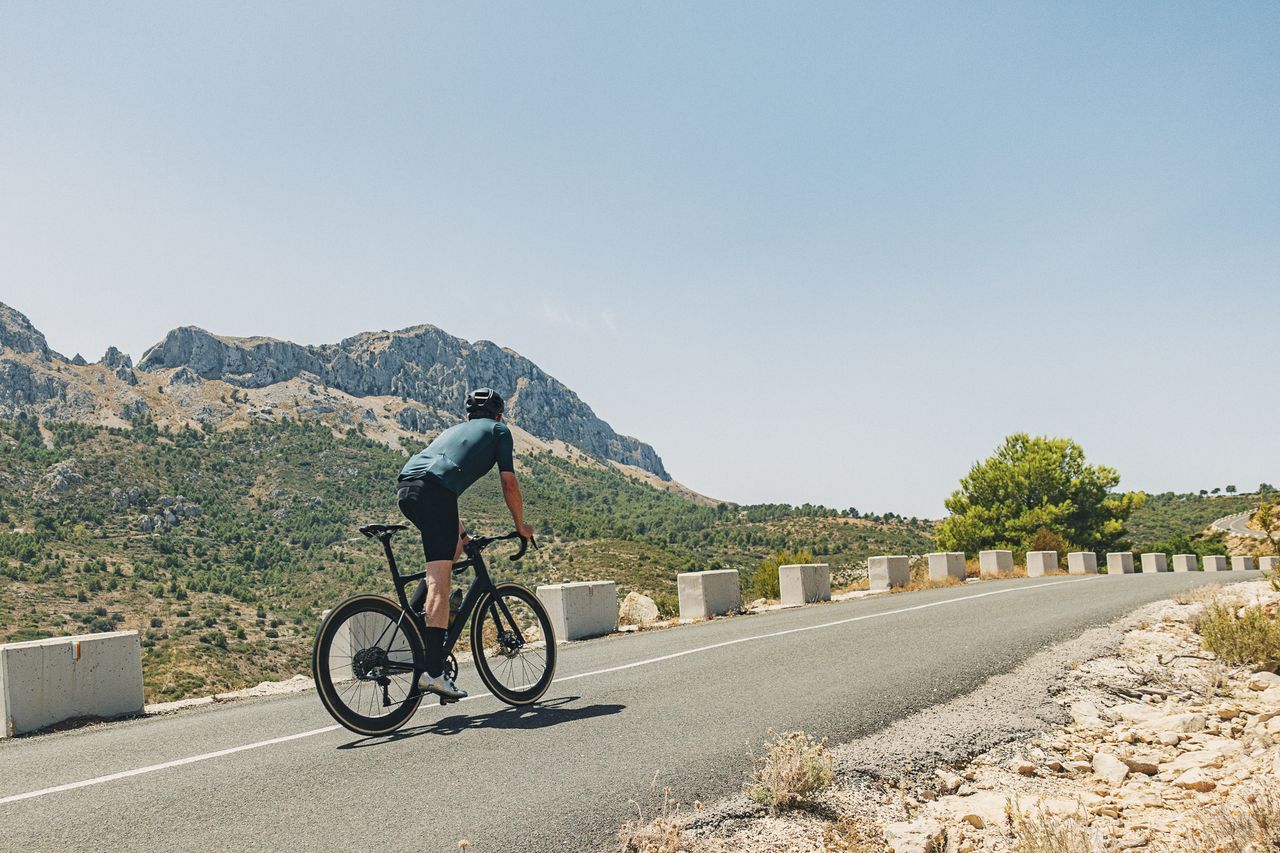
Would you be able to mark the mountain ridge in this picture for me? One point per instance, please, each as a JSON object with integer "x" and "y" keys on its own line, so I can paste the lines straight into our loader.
{"x": 427, "y": 369}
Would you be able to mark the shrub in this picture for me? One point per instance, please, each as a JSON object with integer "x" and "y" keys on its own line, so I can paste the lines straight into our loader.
{"x": 1249, "y": 638}
{"x": 765, "y": 579}
{"x": 794, "y": 768}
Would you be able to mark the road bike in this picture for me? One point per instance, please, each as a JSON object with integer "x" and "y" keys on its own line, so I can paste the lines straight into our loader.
{"x": 369, "y": 650}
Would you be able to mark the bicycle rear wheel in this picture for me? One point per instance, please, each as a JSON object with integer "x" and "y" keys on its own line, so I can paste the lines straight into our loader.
{"x": 513, "y": 644}
{"x": 365, "y": 664}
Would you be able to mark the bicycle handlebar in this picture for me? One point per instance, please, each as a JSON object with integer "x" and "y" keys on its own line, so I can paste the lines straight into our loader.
{"x": 482, "y": 542}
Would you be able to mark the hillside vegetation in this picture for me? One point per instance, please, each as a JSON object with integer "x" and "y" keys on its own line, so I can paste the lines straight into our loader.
{"x": 222, "y": 547}
{"x": 1169, "y": 517}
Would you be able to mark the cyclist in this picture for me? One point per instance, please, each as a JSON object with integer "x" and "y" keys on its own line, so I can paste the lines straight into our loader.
{"x": 428, "y": 489}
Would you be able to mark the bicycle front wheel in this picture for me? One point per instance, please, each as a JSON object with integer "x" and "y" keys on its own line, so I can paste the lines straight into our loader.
{"x": 513, "y": 644}
{"x": 365, "y": 663}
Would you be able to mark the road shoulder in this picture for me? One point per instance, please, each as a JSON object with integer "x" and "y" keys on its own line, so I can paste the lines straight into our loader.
{"x": 1019, "y": 754}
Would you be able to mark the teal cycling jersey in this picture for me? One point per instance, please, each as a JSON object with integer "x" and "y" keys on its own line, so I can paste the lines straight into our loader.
{"x": 463, "y": 454}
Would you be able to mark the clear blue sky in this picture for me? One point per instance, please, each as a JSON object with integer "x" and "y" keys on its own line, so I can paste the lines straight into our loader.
{"x": 810, "y": 252}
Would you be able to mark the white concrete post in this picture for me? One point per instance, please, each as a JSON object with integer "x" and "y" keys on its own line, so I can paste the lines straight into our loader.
{"x": 1242, "y": 564}
{"x": 946, "y": 564}
{"x": 706, "y": 594}
{"x": 994, "y": 564}
{"x": 1269, "y": 564}
{"x": 1185, "y": 562}
{"x": 1120, "y": 563}
{"x": 1082, "y": 563}
{"x": 43, "y": 682}
{"x": 1040, "y": 563}
{"x": 581, "y": 609}
{"x": 804, "y": 584}
{"x": 1215, "y": 563}
{"x": 887, "y": 572}
{"x": 1154, "y": 562}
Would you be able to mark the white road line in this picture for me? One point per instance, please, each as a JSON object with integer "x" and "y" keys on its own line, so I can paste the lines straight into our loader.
{"x": 153, "y": 768}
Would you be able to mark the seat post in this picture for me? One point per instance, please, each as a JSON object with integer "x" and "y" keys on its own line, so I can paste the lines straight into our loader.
{"x": 391, "y": 558}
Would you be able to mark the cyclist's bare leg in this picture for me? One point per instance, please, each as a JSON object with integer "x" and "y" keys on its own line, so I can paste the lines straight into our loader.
{"x": 439, "y": 579}
{"x": 439, "y": 574}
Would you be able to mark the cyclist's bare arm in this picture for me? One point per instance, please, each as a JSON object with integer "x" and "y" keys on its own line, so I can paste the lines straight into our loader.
{"x": 515, "y": 503}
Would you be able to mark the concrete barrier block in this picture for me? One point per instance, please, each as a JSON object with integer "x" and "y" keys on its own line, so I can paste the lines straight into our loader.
{"x": 804, "y": 583}
{"x": 1242, "y": 564}
{"x": 1040, "y": 563}
{"x": 1153, "y": 563}
{"x": 43, "y": 682}
{"x": 1185, "y": 562}
{"x": 581, "y": 609}
{"x": 1215, "y": 563}
{"x": 946, "y": 564}
{"x": 1120, "y": 563}
{"x": 1082, "y": 563}
{"x": 1269, "y": 564}
{"x": 995, "y": 563}
{"x": 706, "y": 594}
{"x": 888, "y": 572}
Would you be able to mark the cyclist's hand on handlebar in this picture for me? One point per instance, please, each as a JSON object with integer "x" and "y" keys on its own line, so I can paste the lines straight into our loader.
{"x": 525, "y": 531}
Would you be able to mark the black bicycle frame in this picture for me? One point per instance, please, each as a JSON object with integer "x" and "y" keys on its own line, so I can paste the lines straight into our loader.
{"x": 482, "y": 585}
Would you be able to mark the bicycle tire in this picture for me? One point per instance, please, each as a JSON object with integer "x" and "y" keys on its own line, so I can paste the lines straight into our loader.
{"x": 377, "y": 612}
{"x": 489, "y": 660}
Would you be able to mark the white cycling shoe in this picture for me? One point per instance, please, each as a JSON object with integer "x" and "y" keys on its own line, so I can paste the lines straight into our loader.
{"x": 442, "y": 686}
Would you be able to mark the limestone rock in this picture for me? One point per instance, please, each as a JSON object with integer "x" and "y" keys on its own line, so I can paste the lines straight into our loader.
{"x": 1147, "y": 764}
{"x": 1195, "y": 780}
{"x": 918, "y": 836}
{"x": 421, "y": 364}
{"x": 637, "y": 609}
{"x": 1110, "y": 768}
{"x": 1261, "y": 681}
{"x": 983, "y": 809}
{"x": 17, "y": 334}
{"x": 61, "y": 478}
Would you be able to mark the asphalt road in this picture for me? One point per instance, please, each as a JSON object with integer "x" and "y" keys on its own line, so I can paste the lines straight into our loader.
{"x": 1236, "y": 525}
{"x": 684, "y": 703}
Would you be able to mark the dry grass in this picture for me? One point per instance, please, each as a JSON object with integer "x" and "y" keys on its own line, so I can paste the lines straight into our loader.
{"x": 1251, "y": 825}
{"x": 661, "y": 832}
{"x": 1199, "y": 594}
{"x": 794, "y": 768}
{"x": 1037, "y": 831}
{"x": 1243, "y": 638}
{"x": 852, "y": 835}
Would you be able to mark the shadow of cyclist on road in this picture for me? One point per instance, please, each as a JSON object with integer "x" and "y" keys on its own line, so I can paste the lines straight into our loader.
{"x": 550, "y": 713}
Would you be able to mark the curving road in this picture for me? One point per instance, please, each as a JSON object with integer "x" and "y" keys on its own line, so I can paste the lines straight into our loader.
{"x": 1235, "y": 525}
{"x": 683, "y": 703}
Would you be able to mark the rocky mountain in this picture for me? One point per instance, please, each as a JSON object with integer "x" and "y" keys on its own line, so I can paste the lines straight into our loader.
{"x": 416, "y": 376}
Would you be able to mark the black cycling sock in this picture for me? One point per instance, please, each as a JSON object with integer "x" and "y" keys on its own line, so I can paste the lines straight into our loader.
{"x": 435, "y": 651}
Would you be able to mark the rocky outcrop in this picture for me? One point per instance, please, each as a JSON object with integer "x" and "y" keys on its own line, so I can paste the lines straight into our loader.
{"x": 23, "y": 390}
{"x": 61, "y": 478}
{"x": 428, "y": 369}
{"x": 422, "y": 364}
{"x": 17, "y": 334}
{"x": 121, "y": 365}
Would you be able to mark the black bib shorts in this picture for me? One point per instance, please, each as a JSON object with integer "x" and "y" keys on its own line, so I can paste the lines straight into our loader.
{"x": 433, "y": 509}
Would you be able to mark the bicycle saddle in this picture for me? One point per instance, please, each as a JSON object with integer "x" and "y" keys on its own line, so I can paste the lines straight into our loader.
{"x": 376, "y": 530}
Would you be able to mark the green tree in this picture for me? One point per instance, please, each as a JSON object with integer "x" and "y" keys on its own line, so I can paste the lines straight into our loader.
{"x": 1268, "y": 521}
{"x": 1034, "y": 484}
{"x": 765, "y": 580}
